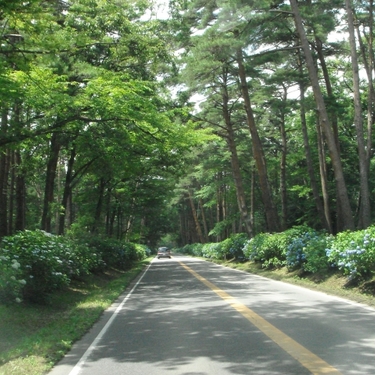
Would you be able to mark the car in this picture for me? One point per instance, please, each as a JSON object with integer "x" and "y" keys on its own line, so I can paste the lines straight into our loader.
{"x": 164, "y": 252}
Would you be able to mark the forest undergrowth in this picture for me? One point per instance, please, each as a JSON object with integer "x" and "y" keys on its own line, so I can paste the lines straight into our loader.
{"x": 33, "y": 337}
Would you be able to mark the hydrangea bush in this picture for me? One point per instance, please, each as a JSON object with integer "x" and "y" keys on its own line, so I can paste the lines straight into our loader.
{"x": 233, "y": 246}
{"x": 192, "y": 249}
{"x": 353, "y": 253}
{"x": 116, "y": 253}
{"x": 213, "y": 250}
{"x": 270, "y": 249}
{"x": 308, "y": 252}
{"x": 33, "y": 264}
{"x": 11, "y": 281}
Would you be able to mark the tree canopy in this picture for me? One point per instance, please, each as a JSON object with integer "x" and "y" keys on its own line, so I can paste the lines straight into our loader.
{"x": 101, "y": 132}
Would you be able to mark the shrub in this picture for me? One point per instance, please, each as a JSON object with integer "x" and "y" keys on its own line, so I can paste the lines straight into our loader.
{"x": 41, "y": 266}
{"x": 45, "y": 263}
{"x": 354, "y": 253}
{"x": 271, "y": 249}
{"x": 233, "y": 246}
{"x": 117, "y": 253}
{"x": 308, "y": 251}
{"x": 192, "y": 249}
{"x": 253, "y": 247}
{"x": 315, "y": 253}
{"x": 213, "y": 250}
{"x": 35, "y": 263}
{"x": 295, "y": 256}
{"x": 11, "y": 281}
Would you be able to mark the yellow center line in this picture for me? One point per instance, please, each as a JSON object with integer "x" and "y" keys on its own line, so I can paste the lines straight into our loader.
{"x": 309, "y": 360}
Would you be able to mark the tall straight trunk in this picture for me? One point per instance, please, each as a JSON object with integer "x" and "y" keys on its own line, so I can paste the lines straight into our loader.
{"x": 364, "y": 219}
{"x": 195, "y": 217}
{"x": 219, "y": 205}
{"x": 204, "y": 221}
{"x": 371, "y": 92}
{"x": 343, "y": 198}
{"x": 108, "y": 212}
{"x": 368, "y": 60}
{"x": 284, "y": 150}
{"x": 99, "y": 206}
{"x": 67, "y": 191}
{"x": 270, "y": 209}
{"x": 4, "y": 172}
{"x": 367, "y": 53}
{"x": 18, "y": 196}
{"x": 235, "y": 164}
{"x": 20, "y": 222}
{"x": 324, "y": 215}
{"x": 323, "y": 175}
{"x": 327, "y": 81}
{"x": 333, "y": 117}
{"x": 55, "y": 147}
{"x": 112, "y": 222}
{"x": 252, "y": 196}
{"x": 12, "y": 191}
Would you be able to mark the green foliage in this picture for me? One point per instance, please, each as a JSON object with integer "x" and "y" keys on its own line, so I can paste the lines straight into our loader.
{"x": 115, "y": 253}
{"x": 271, "y": 249}
{"x": 33, "y": 264}
{"x": 213, "y": 250}
{"x": 233, "y": 247}
{"x": 300, "y": 247}
{"x": 11, "y": 281}
{"x": 308, "y": 252}
{"x": 229, "y": 248}
{"x": 192, "y": 249}
{"x": 42, "y": 263}
{"x": 354, "y": 253}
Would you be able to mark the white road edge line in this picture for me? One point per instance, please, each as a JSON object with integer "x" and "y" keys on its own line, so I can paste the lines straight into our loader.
{"x": 78, "y": 367}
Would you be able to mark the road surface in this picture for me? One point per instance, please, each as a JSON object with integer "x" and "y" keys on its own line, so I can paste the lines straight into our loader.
{"x": 185, "y": 316}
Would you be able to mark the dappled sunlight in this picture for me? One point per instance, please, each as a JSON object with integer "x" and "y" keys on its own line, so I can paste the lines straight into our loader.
{"x": 175, "y": 324}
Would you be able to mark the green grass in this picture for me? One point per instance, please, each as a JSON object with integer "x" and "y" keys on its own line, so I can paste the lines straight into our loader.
{"x": 33, "y": 337}
{"x": 330, "y": 282}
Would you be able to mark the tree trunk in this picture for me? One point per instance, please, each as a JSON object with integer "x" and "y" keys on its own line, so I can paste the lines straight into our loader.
{"x": 343, "y": 199}
{"x": 284, "y": 150}
{"x": 50, "y": 182}
{"x": 12, "y": 190}
{"x": 219, "y": 205}
{"x": 204, "y": 221}
{"x": 99, "y": 206}
{"x": 20, "y": 222}
{"x": 235, "y": 163}
{"x": 364, "y": 219}
{"x": 325, "y": 216}
{"x": 333, "y": 117}
{"x": 67, "y": 191}
{"x": 270, "y": 209}
{"x": 252, "y": 196}
{"x": 323, "y": 176}
{"x": 195, "y": 217}
{"x": 368, "y": 61}
{"x": 4, "y": 172}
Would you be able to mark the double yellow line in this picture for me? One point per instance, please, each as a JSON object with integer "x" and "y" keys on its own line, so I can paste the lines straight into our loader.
{"x": 307, "y": 359}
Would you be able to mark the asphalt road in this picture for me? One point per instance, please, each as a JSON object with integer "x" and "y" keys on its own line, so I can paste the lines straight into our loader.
{"x": 184, "y": 316}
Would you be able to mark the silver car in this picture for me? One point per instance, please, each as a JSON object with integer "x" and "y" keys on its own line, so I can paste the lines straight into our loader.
{"x": 164, "y": 252}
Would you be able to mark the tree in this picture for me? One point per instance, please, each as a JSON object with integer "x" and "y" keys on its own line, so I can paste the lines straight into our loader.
{"x": 347, "y": 216}
{"x": 364, "y": 212}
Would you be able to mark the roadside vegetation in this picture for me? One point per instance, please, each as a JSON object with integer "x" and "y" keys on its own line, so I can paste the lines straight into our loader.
{"x": 53, "y": 289}
{"x": 120, "y": 128}
{"x": 341, "y": 265}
